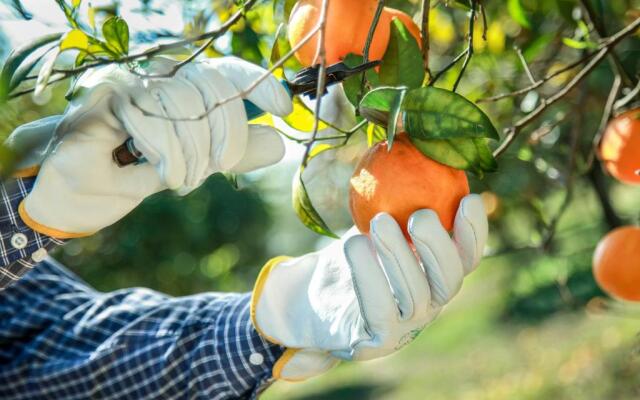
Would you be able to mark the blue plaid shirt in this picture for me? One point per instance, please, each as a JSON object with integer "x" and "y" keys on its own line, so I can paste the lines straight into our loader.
{"x": 61, "y": 339}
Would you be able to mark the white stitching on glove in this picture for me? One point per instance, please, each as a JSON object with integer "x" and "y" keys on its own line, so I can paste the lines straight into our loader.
{"x": 80, "y": 190}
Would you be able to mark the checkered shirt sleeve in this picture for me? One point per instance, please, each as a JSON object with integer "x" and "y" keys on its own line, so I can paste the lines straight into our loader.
{"x": 19, "y": 244}
{"x": 61, "y": 339}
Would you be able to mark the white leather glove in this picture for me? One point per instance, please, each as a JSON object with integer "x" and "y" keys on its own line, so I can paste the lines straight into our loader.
{"x": 365, "y": 297}
{"x": 80, "y": 190}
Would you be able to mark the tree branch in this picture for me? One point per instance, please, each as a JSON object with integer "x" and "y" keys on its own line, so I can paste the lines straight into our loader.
{"x": 598, "y": 25}
{"x": 513, "y": 131}
{"x": 472, "y": 19}
{"x": 321, "y": 79}
{"x": 426, "y": 7}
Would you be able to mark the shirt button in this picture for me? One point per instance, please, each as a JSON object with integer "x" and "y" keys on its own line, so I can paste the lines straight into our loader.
{"x": 256, "y": 359}
{"x": 39, "y": 254}
{"x": 19, "y": 241}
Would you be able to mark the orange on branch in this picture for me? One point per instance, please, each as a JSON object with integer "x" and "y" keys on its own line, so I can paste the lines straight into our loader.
{"x": 620, "y": 147}
{"x": 616, "y": 263}
{"x": 347, "y": 27}
{"x": 402, "y": 181}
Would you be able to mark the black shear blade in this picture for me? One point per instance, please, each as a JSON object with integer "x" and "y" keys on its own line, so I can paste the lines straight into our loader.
{"x": 306, "y": 81}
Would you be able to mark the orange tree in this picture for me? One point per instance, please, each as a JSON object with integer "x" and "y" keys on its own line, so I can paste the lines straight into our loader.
{"x": 516, "y": 93}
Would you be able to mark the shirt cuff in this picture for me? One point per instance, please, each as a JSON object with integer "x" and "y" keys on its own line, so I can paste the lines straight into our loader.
{"x": 21, "y": 248}
{"x": 248, "y": 359}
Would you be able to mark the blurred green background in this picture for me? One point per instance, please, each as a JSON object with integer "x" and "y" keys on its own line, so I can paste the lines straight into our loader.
{"x": 530, "y": 324}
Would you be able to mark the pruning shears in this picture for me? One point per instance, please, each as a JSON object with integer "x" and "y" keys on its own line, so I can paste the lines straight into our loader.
{"x": 305, "y": 83}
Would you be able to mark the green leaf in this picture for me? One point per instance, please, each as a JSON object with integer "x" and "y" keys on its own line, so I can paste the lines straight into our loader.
{"x": 116, "y": 33}
{"x": 11, "y": 76}
{"x": 302, "y": 118}
{"x": 576, "y": 44}
{"x": 375, "y": 134}
{"x": 402, "y": 62}
{"x": 473, "y": 155}
{"x": 352, "y": 84}
{"x": 76, "y": 3}
{"x": 377, "y": 105}
{"x": 394, "y": 116}
{"x": 435, "y": 113}
{"x": 518, "y": 14}
{"x": 75, "y": 39}
{"x": 305, "y": 210}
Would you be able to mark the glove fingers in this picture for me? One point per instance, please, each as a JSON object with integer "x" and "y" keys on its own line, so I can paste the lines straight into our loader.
{"x": 180, "y": 99}
{"x": 470, "y": 231}
{"x": 264, "y": 148}
{"x": 372, "y": 290}
{"x": 154, "y": 137}
{"x": 228, "y": 122}
{"x": 405, "y": 275}
{"x": 438, "y": 254}
{"x": 270, "y": 95}
{"x": 30, "y": 141}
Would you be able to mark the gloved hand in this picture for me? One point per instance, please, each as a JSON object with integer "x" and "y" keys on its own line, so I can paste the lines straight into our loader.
{"x": 80, "y": 190}
{"x": 365, "y": 297}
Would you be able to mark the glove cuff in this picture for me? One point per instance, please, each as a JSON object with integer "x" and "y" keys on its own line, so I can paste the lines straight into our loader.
{"x": 32, "y": 223}
{"x": 296, "y": 365}
{"x": 28, "y": 172}
{"x": 257, "y": 293}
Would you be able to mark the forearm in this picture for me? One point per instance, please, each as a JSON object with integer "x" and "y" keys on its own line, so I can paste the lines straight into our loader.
{"x": 21, "y": 248}
{"x": 129, "y": 344}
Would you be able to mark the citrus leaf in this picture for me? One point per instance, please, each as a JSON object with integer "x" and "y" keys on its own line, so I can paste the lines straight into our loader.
{"x": 402, "y": 62}
{"x": 435, "y": 113}
{"x": 302, "y": 118}
{"x": 9, "y": 77}
{"x": 375, "y": 134}
{"x": 377, "y": 105}
{"x": 75, "y": 39}
{"x": 394, "y": 116}
{"x": 116, "y": 32}
{"x": 305, "y": 210}
{"x": 471, "y": 154}
{"x": 352, "y": 84}
{"x": 518, "y": 14}
{"x": 45, "y": 73}
{"x": 576, "y": 44}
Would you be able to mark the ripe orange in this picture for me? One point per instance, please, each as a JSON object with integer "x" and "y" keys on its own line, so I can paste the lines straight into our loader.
{"x": 402, "y": 181}
{"x": 620, "y": 147}
{"x": 347, "y": 27}
{"x": 616, "y": 263}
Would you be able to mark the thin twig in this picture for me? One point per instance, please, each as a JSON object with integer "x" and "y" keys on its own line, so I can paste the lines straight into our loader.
{"x": 322, "y": 79}
{"x": 576, "y": 131}
{"x": 447, "y": 67}
{"x": 598, "y": 25}
{"x": 540, "y": 82}
{"x": 216, "y": 33}
{"x": 484, "y": 22}
{"x": 513, "y": 131}
{"x": 627, "y": 98}
{"x": 242, "y": 94}
{"x": 525, "y": 65}
{"x": 606, "y": 116}
{"x": 367, "y": 46}
{"x": 426, "y": 7}
{"x": 472, "y": 18}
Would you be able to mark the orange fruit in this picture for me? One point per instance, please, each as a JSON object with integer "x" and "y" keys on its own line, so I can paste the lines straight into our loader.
{"x": 620, "y": 147}
{"x": 616, "y": 263}
{"x": 347, "y": 27}
{"x": 402, "y": 181}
